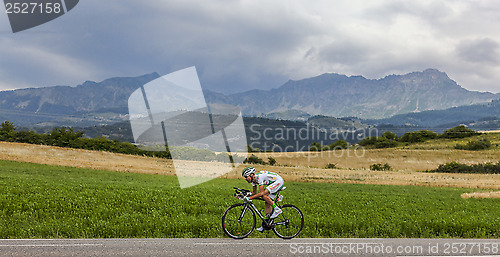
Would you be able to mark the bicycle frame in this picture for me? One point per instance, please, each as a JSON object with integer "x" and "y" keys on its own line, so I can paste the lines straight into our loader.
{"x": 252, "y": 206}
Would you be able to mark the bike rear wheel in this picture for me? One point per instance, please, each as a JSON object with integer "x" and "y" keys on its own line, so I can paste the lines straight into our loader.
{"x": 289, "y": 223}
{"x": 238, "y": 221}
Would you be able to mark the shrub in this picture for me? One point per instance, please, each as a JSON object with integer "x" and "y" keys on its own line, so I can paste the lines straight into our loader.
{"x": 64, "y": 137}
{"x": 389, "y": 135}
{"x": 368, "y": 141}
{"x": 450, "y": 167}
{"x": 378, "y": 142}
{"x": 7, "y": 126}
{"x": 387, "y": 140}
{"x": 459, "y": 132}
{"x": 385, "y": 143}
{"x": 315, "y": 147}
{"x": 272, "y": 161}
{"x": 455, "y": 167}
{"x": 341, "y": 144}
{"x": 379, "y": 166}
{"x": 418, "y": 136}
{"x": 475, "y": 145}
{"x": 7, "y": 131}
{"x": 254, "y": 160}
{"x": 29, "y": 137}
{"x": 331, "y": 166}
{"x": 252, "y": 150}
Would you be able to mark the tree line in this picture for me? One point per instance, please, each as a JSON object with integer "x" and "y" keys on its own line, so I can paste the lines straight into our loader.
{"x": 68, "y": 137}
{"x": 389, "y": 139}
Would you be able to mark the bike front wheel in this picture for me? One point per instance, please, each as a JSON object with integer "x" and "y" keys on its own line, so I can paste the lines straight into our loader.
{"x": 238, "y": 221}
{"x": 289, "y": 223}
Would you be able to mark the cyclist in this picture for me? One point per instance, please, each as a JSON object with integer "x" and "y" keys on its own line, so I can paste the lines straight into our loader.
{"x": 269, "y": 184}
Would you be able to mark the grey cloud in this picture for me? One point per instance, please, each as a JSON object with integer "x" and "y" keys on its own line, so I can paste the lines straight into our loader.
{"x": 483, "y": 51}
{"x": 431, "y": 11}
{"x": 347, "y": 52}
{"x": 232, "y": 46}
{"x": 237, "y": 45}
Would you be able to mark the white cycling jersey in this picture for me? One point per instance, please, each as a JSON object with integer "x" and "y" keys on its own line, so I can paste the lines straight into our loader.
{"x": 273, "y": 181}
{"x": 266, "y": 178}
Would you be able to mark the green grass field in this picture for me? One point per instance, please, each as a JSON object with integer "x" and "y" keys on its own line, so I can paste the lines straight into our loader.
{"x": 41, "y": 201}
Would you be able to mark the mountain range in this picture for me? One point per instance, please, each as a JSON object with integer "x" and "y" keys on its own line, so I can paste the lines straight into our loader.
{"x": 101, "y": 103}
{"x": 88, "y": 104}
{"x": 482, "y": 116}
{"x": 342, "y": 96}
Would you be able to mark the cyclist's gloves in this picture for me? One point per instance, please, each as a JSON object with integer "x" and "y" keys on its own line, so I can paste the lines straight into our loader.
{"x": 247, "y": 199}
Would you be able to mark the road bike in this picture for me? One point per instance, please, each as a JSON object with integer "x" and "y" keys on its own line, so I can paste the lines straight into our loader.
{"x": 239, "y": 219}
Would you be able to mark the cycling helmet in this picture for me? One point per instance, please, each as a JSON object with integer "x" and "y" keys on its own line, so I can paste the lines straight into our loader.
{"x": 247, "y": 171}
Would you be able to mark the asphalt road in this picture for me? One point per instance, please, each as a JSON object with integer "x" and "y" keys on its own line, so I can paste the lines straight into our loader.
{"x": 249, "y": 247}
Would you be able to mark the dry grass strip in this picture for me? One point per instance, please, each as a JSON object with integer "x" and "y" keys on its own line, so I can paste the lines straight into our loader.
{"x": 60, "y": 156}
{"x": 353, "y": 170}
{"x": 494, "y": 195}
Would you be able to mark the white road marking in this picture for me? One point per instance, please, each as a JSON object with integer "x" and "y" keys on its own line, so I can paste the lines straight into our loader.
{"x": 242, "y": 243}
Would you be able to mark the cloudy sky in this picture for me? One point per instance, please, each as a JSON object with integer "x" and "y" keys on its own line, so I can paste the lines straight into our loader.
{"x": 238, "y": 45}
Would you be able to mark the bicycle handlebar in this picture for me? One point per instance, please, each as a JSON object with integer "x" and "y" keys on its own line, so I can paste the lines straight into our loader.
{"x": 240, "y": 193}
{"x": 240, "y": 190}
{"x": 244, "y": 192}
